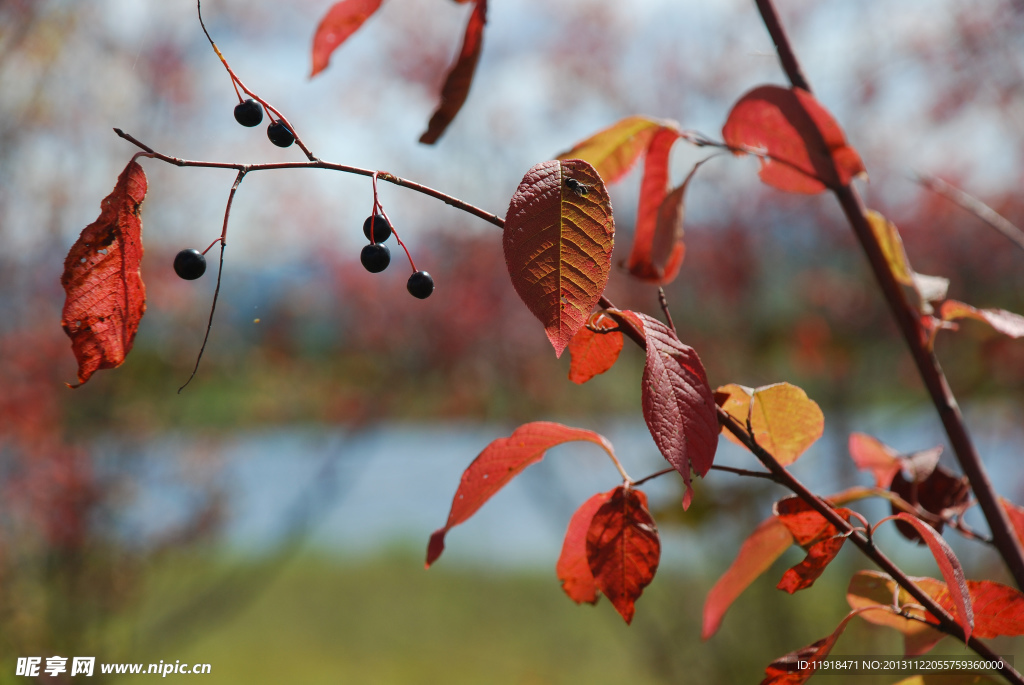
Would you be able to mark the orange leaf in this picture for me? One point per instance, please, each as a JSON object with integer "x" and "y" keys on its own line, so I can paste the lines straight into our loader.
{"x": 653, "y": 188}
{"x": 888, "y": 237}
{"x": 805, "y": 149}
{"x": 757, "y": 553}
{"x": 786, "y": 669}
{"x": 871, "y": 454}
{"x": 106, "y": 297}
{"x": 559, "y": 234}
{"x": 1001, "y": 320}
{"x": 615, "y": 150}
{"x": 623, "y": 548}
{"x": 869, "y": 589}
{"x": 460, "y": 78}
{"x": 950, "y": 567}
{"x": 499, "y": 463}
{"x": 341, "y": 21}
{"x": 572, "y": 568}
{"x": 678, "y": 405}
{"x": 785, "y": 421}
{"x": 815, "y": 534}
{"x": 594, "y": 353}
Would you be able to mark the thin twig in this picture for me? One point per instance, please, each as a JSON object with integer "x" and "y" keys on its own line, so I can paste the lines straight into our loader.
{"x": 1007, "y": 228}
{"x": 908, "y": 321}
{"x": 320, "y": 164}
{"x": 220, "y": 272}
{"x": 664, "y": 308}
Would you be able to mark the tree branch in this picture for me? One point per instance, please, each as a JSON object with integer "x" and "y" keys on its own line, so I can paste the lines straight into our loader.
{"x": 907, "y": 319}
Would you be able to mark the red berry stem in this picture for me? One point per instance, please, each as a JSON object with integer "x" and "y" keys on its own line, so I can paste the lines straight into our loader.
{"x": 394, "y": 232}
{"x": 218, "y": 240}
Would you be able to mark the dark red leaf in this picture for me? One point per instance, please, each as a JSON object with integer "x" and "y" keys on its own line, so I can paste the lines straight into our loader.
{"x": 594, "y": 353}
{"x": 500, "y": 462}
{"x": 949, "y": 565}
{"x": 341, "y": 21}
{"x": 941, "y": 492}
{"x": 623, "y": 548}
{"x": 106, "y": 297}
{"x": 558, "y": 245}
{"x": 766, "y": 544}
{"x": 460, "y": 78}
{"x": 678, "y": 405}
{"x": 806, "y": 149}
{"x": 812, "y": 531}
{"x": 653, "y": 188}
{"x": 573, "y": 569}
{"x": 786, "y": 669}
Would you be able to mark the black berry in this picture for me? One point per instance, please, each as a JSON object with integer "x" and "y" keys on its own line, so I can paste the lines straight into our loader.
{"x": 381, "y": 228}
{"x": 189, "y": 264}
{"x": 375, "y": 257}
{"x": 420, "y": 285}
{"x": 249, "y": 113}
{"x": 280, "y": 135}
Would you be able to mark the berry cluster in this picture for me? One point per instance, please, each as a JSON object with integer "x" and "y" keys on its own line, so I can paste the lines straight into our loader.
{"x": 376, "y": 256}
{"x": 250, "y": 113}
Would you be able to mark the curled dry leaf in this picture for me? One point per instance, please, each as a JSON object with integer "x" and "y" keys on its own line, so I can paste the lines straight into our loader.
{"x": 678, "y": 405}
{"x": 1001, "y": 320}
{"x": 558, "y": 245}
{"x": 888, "y": 237}
{"x": 499, "y": 463}
{"x": 785, "y": 421}
{"x": 614, "y": 150}
{"x": 757, "y": 553}
{"x": 460, "y": 77}
{"x": 105, "y": 295}
{"x": 341, "y": 21}
{"x": 812, "y": 531}
{"x": 936, "y": 490}
{"x": 805, "y": 150}
{"x": 572, "y": 568}
{"x": 623, "y": 548}
{"x": 594, "y": 353}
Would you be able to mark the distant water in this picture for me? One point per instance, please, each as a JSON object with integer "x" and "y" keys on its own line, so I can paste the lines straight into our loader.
{"x": 354, "y": 493}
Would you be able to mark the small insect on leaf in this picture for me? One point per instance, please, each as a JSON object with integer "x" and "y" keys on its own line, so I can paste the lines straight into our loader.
{"x": 558, "y": 245}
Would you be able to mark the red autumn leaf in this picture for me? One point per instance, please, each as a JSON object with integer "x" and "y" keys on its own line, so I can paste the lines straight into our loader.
{"x": 559, "y": 234}
{"x": 341, "y": 21}
{"x": 938, "y": 491}
{"x": 653, "y": 189}
{"x": 594, "y": 353}
{"x": 874, "y": 592}
{"x": 805, "y": 148}
{"x": 871, "y": 454}
{"x": 614, "y": 150}
{"x": 106, "y": 297}
{"x": 1001, "y": 320}
{"x": 499, "y": 463}
{"x": 623, "y": 548}
{"x": 757, "y": 553}
{"x": 1016, "y": 516}
{"x": 678, "y": 405}
{"x": 786, "y": 669}
{"x": 460, "y": 78}
{"x": 572, "y": 568}
{"x": 949, "y": 565}
{"x": 815, "y": 534}
{"x": 998, "y": 609}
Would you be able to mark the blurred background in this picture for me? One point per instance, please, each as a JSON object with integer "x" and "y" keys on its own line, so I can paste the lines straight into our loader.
{"x": 271, "y": 519}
